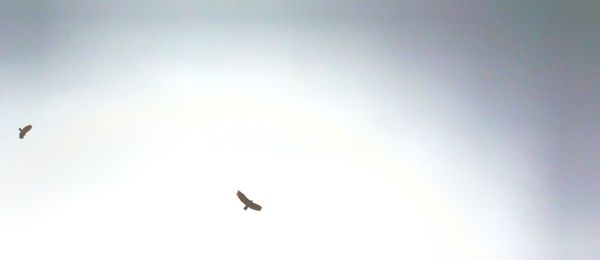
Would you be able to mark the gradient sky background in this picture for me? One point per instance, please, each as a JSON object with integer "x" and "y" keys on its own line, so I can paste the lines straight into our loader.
{"x": 366, "y": 129}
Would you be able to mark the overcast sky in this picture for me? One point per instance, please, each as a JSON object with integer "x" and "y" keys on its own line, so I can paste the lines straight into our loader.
{"x": 366, "y": 130}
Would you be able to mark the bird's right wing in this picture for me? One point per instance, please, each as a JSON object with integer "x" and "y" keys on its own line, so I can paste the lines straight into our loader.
{"x": 255, "y": 206}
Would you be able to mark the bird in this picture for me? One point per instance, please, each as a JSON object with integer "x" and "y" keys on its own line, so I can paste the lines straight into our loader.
{"x": 247, "y": 202}
{"x": 24, "y": 130}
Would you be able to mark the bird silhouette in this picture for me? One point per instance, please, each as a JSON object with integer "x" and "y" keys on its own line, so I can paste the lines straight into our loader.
{"x": 24, "y": 130}
{"x": 247, "y": 202}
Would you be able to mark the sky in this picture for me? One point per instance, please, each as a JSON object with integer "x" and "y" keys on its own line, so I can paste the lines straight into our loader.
{"x": 365, "y": 130}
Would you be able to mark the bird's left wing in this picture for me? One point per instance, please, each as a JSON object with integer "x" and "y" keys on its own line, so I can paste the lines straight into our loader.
{"x": 243, "y": 198}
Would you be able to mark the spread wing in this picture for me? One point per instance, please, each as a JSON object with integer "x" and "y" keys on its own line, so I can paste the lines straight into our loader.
{"x": 24, "y": 131}
{"x": 244, "y": 199}
{"x": 254, "y": 206}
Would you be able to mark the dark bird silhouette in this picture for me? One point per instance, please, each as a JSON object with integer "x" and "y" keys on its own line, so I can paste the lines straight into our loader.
{"x": 23, "y": 132}
{"x": 248, "y": 202}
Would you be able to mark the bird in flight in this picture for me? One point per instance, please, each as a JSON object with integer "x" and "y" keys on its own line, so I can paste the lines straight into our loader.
{"x": 23, "y": 131}
{"x": 247, "y": 202}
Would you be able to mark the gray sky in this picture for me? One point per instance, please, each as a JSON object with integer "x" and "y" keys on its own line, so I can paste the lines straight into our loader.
{"x": 387, "y": 130}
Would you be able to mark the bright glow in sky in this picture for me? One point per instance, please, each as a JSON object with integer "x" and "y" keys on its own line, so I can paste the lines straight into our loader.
{"x": 167, "y": 188}
{"x": 155, "y": 177}
{"x": 360, "y": 142}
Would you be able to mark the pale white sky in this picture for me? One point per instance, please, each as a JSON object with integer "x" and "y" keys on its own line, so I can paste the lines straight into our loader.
{"x": 361, "y": 140}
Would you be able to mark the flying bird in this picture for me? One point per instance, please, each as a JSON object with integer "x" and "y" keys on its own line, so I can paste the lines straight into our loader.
{"x": 24, "y": 130}
{"x": 248, "y": 202}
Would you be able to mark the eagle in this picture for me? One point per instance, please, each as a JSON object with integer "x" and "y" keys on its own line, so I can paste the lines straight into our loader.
{"x": 247, "y": 202}
{"x": 23, "y": 131}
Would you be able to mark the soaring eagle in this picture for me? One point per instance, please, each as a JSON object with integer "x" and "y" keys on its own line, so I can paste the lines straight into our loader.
{"x": 24, "y": 130}
{"x": 248, "y": 202}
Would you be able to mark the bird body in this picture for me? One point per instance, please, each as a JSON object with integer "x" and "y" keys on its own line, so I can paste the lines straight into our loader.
{"x": 24, "y": 130}
{"x": 247, "y": 202}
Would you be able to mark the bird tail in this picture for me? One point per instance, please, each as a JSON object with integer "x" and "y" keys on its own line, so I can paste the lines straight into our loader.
{"x": 245, "y": 208}
{"x": 20, "y": 129}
